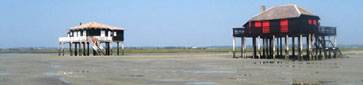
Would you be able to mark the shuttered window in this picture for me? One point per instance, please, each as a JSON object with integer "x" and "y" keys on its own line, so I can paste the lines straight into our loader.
{"x": 266, "y": 27}
{"x": 257, "y": 24}
{"x": 314, "y": 22}
{"x": 284, "y": 24}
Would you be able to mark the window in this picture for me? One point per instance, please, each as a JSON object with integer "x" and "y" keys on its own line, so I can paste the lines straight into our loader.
{"x": 314, "y": 22}
{"x": 257, "y": 24}
{"x": 103, "y": 33}
{"x": 284, "y": 24}
{"x": 266, "y": 27}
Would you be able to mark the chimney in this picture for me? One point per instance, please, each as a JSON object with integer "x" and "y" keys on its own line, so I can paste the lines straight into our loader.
{"x": 262, "y": 8}
{"x": 80, "y": 23}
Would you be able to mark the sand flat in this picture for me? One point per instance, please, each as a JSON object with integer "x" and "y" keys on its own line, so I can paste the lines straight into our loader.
{"x": 176, "y": 69}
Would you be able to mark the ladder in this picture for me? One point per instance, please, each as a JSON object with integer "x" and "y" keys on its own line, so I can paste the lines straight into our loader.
{"x": 96, "y": 45}
{"x": 321, "y": 44}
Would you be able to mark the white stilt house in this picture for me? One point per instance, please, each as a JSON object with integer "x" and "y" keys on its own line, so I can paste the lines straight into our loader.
{"x": 92, "y": 34}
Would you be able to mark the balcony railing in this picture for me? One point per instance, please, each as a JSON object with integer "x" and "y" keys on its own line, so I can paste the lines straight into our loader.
{"x": 84, "y": 39}
{"x": 237, "y": 32}
{"x": 326, "y": 30}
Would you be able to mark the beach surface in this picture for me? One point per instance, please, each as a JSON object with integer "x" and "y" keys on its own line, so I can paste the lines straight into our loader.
{"x": 176, "y": 69}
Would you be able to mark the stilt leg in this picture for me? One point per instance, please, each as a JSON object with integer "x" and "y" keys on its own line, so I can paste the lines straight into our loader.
{"x": 123, "y": 47}
{"x": 62, "y": 48}
{"x": 287, "y": 47}
{"x": 75, "y": 49}
{"x": 234, "y": 47}
{"x": 254, "y": 47}
{"x": 111, "y": 48}
{"x": 118, "y": 49}
{"x": 87, "y": 48}
{"x": 70, "y": 49}
{"x": 293, "y": 47}
{"x": 59, "y": 49}
{"x": 259, "y": 47}
{"x": 273, "y": 47}
{"x": 300, "y": 47}
{"x": 309, "y": 46}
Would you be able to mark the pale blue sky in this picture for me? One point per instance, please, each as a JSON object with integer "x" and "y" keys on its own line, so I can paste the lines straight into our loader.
{"x": 39, "y": 23}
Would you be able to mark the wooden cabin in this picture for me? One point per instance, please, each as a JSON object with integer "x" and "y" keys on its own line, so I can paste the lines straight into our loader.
{"x": 287, "y": 21}
{"x": 92, "y": 34}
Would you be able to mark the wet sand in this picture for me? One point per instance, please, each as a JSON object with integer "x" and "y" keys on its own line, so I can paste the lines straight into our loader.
{"x": 176, "y": 69}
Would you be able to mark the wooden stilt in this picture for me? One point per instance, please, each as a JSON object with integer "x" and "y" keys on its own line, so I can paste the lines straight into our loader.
{"x": 118, "y": 49}
{"x": 234, "y": 47}
{"x": 75, "y": 49}
{"x": 293, "y": 46}
{"x": 335, "y": 46}
{"x": 87, "y": 48}
{"x": 273, "y": 47}
{"x": 70, "y": 49}
{"x": 123, "y": 47}
{"x": 281, "y": 46}
{"x": 254, "y": 47}
{"x": 308, "y": 40}
{"x": 263, "y": 47}
{"x": 277, "y": 46}
{"x": 287, "y": 47}
{"x": 59, "y": 49}
{"x": 84, "y": 48}
{"x": 111, "y": 47}
{"x": 259, "y": 47}
{"x": 270, "y": 50}
{"x": 242, "y": 47}
{"x": 324, "y": 48}
{"x": 300, "y": 47}
{"x": 313, "y": 54}
{"x": 62, "y": 48}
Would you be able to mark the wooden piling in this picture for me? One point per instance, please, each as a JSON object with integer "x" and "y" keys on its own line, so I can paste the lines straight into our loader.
{"x": 59, "y": 49}
{"x": 75, "y": 49}
{"x": 234, "y": 47}
{"x": 293, "y": 46}
{"x": 254, "y": 47}
{"x": 70, "y": 49}
{"x": 118, "y": 49}
{"x": 259, "y": 47}
{"x": 123, "y": 47}
{"x": 273, "y": 47}
{"x": 300, "y": 47}
{"x": 287, "y": 47}
{"x": 62, "y": 48}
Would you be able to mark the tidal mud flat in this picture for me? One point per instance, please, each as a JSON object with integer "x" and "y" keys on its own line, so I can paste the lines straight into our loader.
{"x": 176, "y": 69}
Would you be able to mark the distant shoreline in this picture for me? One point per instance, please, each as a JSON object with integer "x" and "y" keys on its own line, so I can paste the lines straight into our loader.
{"x": 151, "y": 50}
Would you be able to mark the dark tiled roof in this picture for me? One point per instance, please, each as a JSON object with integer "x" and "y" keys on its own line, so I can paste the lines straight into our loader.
{"x": 281, "y": 12}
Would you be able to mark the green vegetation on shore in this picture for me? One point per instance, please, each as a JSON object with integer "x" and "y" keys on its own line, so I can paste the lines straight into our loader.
{"x": 153, "y": 50}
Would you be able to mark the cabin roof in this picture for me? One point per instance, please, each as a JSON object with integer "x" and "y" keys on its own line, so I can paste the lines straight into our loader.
{"x": 281, "y": 12}
{"x": 95, "y": 25}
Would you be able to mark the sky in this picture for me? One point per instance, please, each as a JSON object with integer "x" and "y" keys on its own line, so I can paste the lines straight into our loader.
{"x": 39, "y": 23}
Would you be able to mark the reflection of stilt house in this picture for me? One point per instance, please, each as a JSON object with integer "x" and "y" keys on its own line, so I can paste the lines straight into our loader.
{"x": 280, "y": 23}
{"x": 94, "y": 34}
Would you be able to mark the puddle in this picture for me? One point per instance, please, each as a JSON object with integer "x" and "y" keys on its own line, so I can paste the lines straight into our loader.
{"x": 207, "y": 71}
{"x": 50, "y": 74}
{"x": 4, "y": 74}
{"x": 133, "y": 75}
{"x": 188, "y": 71}
{"x": 168, "y": 80}
{"x": 202, "y": 83}
{"x": 64, "y": 80}
{"x": 55, "y": 66}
